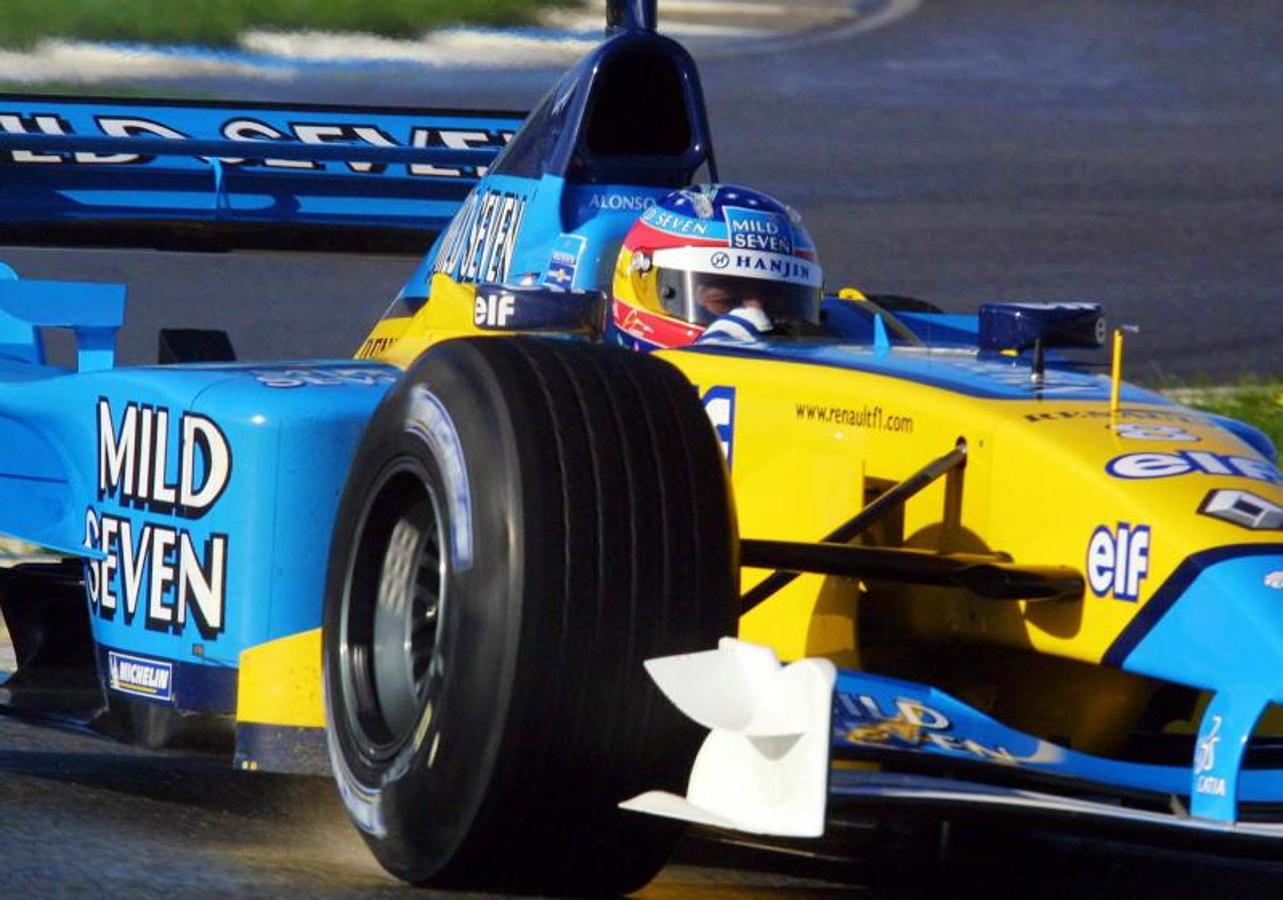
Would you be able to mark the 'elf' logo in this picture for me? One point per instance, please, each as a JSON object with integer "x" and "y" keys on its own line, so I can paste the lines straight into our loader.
{"x": 1118, "y": 560}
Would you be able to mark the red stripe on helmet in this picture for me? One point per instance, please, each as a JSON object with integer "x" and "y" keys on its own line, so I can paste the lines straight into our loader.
{"x": 653, "y": 327}
{"x": 643, "y": 237}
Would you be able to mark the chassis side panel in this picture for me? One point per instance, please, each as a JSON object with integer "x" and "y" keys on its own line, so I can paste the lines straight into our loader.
{"x": 205, "y": 497}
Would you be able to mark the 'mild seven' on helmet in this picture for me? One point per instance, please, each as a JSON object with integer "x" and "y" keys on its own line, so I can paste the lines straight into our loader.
{"x": 709, "y": 252}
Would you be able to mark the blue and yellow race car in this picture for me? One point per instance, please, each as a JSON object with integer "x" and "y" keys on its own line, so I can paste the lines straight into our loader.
{"x": 613, "y": 424}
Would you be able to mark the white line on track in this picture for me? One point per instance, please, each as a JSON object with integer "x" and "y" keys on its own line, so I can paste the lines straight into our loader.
{"x": 288, "y": 56}
{"x": 80, "y": 62}
{"x": 280, "y": 56}
{"x": 440, "y": 49}
{"x": 749, "y": 8}
{"x": 891, "y": 12}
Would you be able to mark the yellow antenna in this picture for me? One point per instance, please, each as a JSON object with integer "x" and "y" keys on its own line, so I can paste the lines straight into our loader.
{"x": 1116, "y": 370}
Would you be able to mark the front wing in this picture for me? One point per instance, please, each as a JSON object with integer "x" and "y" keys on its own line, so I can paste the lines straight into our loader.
{"x": 787, "y": 741}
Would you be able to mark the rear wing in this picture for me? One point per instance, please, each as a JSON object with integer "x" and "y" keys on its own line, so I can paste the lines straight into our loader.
{"x": 190, "y": 175}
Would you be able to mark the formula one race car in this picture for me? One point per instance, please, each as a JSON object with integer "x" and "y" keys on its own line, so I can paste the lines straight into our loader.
{"x": 440, "y": 571}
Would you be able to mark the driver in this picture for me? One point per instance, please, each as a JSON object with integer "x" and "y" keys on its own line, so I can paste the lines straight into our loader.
{"x": 714, "y": 262}
{"x": 718, "y": 296}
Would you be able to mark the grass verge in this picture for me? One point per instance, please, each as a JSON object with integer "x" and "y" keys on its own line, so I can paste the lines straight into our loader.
{"x": 1259, "y": 404}
{"x": 218, "y": 23}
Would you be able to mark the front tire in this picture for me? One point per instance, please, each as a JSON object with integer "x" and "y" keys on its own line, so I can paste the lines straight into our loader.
{"x": 525, "y": 522}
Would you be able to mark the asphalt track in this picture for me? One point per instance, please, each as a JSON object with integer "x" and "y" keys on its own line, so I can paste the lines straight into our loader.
{"x": 1126, "y": 152}
{"x": 84, "y": 817}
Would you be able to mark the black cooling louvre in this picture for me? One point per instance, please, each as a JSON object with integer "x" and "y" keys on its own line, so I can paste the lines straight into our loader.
{"x": 639, "y": 108}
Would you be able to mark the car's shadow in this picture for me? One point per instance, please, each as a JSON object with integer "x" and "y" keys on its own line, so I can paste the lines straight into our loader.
{"x": 203, "y": 782}
{"x": 923, "y": 856}
{"x": 296, "y": 825}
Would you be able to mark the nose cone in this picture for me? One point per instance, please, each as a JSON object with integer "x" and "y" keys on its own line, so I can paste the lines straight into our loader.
{"x": 1216, "y": 624}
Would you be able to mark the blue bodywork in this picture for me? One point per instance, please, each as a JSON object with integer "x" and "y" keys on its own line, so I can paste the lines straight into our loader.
{"x": 202, "y": 496}
{"x": 931, "y": 721}
{"x": 95, "y": 161}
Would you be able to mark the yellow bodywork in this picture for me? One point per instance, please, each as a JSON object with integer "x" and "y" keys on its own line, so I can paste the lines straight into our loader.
{"x": 280, "y": 682}
{"x": 813, "y": 444}
{"x": 400, "y": 340}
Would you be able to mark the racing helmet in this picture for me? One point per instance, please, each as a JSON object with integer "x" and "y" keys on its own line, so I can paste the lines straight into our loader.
{"x": 710, "y": 251}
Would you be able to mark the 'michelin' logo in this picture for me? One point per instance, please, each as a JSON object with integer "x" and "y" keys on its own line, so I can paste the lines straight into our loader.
{"x": 138, "y": 675}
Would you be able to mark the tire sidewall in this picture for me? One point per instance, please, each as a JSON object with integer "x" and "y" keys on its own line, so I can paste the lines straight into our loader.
{"x": 440, "y": 772}
{"x": 600, "y": 533}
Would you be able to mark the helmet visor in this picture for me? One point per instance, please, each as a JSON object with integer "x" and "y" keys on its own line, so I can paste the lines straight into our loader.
{"x": 700, "y": 298}
{"x": 787, "y": 289}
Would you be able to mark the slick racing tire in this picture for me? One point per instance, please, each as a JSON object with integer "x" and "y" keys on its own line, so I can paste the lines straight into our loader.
{"x": 526, "y": 521}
